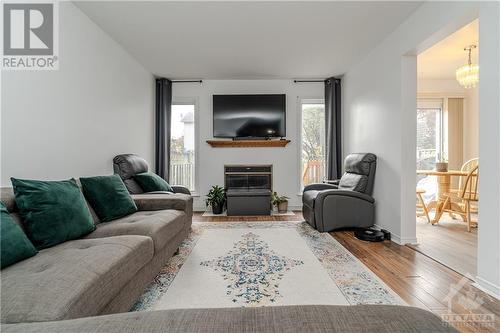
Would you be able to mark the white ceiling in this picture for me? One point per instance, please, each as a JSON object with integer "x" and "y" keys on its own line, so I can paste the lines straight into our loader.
{"x": 248, "y": 40}
{"x": 442, "y": 59}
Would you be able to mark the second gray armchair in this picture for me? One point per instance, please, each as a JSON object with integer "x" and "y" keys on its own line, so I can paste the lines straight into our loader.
{"x": 129, "y": 165}
{"x": 343, "y": 203}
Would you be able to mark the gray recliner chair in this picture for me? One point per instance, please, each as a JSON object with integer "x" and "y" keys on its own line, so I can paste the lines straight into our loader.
{"x": 343, "y": 203}
{"x": 128, "y": 165}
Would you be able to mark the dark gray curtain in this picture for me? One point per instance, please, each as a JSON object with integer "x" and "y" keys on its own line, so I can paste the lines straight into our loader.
{"x": 162, "y": 132}
{"x": 333, "y": 129}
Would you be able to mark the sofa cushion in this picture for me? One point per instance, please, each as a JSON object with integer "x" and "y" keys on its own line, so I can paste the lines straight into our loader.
{"x": 15, "y": 245}
{"x": 108, "y": 196}
{"x": 290, "y": 319}
{"x": 160, "y": 201}
{"x": 161, "y": 226}
{"x": 151, "y": 182}
{"x": 53, "y": 211}
{"x": 308, "y": 197}
{"x": 353, "y": 182}
{"x": 73, "y": 279}
{"x": 8, "y": 198}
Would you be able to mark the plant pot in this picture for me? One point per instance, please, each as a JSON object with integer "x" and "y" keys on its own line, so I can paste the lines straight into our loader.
{"x": 441, "y": 166}
{"x": 283, "y": 207}
{"x": 217, "y": 208}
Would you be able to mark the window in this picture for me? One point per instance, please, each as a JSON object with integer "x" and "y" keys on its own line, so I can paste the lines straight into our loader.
{"x": 312, "y": 141}
{"x": 182, "y": 145}
{"x": 430, "y": 133}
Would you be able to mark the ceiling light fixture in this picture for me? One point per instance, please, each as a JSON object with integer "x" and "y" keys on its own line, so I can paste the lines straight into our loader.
{"x": 468, "y": 75}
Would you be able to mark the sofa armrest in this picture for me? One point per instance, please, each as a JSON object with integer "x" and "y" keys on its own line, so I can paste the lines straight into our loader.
{"x": 319, "y": 187}
{"x": 180, "y": 189}
{"x": 344, "y": 193}
{"x": 160, "y": 201}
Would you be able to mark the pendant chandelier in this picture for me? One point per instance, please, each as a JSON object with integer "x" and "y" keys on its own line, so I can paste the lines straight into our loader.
{"x": 468, "y": 75}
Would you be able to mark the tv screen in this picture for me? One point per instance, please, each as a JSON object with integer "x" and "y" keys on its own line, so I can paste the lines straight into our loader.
{"x": 249, "y": 116}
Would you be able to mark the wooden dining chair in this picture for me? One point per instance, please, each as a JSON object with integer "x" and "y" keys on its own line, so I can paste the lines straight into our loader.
{"x": 421, "y": 205}
{"x": 467, "y": 167}
{"x": 467, "y": 193}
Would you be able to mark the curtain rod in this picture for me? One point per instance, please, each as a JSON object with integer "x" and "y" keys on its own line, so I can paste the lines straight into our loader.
{"x": 187, "y": 81}
{"x": 307, "y": 81}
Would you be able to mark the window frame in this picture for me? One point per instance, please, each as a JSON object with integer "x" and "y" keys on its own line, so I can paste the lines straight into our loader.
{"x": 441, "y": 128}
{"x": 300, "y": 101}
{"x": 183, "y": 100}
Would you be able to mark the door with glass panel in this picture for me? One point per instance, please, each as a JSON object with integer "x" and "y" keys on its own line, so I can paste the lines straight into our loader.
{"x": 182, "y": 145}
{"x": 312, "y": 141}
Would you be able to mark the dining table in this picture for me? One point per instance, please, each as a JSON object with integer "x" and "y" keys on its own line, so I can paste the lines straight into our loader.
{"x": 443, "y": 191}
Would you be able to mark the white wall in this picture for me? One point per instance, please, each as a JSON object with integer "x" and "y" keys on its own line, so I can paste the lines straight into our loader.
{"x": 71, "y": 122}
{"x": 451, "y": 88}
{"x": 285, "y": 161}
{"x": 379, "y": 110}
{"x": 436, "y": 86}
{"x": 488, "y": 258}
{"x": 379, "y": 117}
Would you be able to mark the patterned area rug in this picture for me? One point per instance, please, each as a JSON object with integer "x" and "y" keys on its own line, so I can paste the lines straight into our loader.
{"x": 243, "y": 264}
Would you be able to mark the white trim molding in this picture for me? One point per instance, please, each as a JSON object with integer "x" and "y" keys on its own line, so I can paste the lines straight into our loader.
{"x": 397, "y": 238}
{"x": 403, "y": 241}
{"x": 488, "y": 287}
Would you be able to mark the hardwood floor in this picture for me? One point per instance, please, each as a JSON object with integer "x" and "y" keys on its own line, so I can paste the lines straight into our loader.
{"x": 418, "y": 279}
{"x": 449, "y": 243}
{"x": 197, "y": 217}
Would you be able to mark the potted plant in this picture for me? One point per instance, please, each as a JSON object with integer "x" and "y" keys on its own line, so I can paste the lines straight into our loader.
{"x": 441, "y": 163}
{"x": 216, "y": 198}
{"x": 280, "y": 201}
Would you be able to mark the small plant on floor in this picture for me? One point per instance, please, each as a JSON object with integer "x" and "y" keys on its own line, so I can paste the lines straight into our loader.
{"x": 216, "y": 198}
{"x": 280, "y": 201}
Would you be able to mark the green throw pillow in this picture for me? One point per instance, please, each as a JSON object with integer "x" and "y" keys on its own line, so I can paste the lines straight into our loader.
{"x": 108, "y": 196}
{"x": 53, "y": 211}
{"x": 151, "y": 182}
{"x": 15, "y": 246}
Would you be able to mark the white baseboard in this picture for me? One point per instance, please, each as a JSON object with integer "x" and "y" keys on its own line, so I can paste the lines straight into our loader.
{"x": 397, "y": 238}
{"x": 403, "y": 241}
{"x": 488, "y": 287}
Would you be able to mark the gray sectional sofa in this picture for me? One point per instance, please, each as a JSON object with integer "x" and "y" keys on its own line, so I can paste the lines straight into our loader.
{"x": 82, "y": 285}
{"x": 103, "y": 273}
{"x": 289, "y": 319}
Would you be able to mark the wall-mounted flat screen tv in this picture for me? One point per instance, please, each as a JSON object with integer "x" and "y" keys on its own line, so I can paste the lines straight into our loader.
{"x": 249, "y": 116}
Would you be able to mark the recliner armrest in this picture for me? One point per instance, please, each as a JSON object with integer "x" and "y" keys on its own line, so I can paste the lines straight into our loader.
{"x": 352, "y": 194}
{"x": 180, "y": 189}
{"x": 319, "y": 187}
{"x": 160, "y": 201}
{"x": 332, "y": 182}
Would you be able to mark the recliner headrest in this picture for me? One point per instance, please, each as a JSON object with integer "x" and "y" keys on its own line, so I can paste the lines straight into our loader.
{"x": 359, "y": 163}
{"x": 128, "y": 165}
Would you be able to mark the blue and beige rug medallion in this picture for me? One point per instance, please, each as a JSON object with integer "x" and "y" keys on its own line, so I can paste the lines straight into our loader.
{"x": 247, "y": 264}
{"x": 253, "y": 271}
